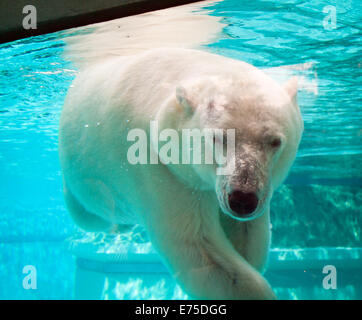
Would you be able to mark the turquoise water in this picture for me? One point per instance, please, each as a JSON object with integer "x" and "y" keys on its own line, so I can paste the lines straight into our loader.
{"x": 319, "y": 206}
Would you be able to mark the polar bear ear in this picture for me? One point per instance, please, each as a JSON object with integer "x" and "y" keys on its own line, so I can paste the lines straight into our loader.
{"x": 291, "y": 87}
{"x": 184, "y": 100}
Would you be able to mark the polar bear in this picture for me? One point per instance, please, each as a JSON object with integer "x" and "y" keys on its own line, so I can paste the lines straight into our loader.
{"x": 212, "y": 231}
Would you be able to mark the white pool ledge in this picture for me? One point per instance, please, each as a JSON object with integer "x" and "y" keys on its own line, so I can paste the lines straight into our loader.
{"x": 143, "y": 258}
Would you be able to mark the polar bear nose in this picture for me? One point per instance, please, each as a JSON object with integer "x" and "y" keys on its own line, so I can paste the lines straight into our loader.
{"x": 243, "y": 203}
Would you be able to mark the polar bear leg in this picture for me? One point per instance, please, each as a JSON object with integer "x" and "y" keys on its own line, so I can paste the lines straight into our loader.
{"x": 251, "y": 238}
{"x": 204, "y": 262}
{"x": 84, "y": 219}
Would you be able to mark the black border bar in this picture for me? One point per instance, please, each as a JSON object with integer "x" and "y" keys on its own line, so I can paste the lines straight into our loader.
{"x": 80, "y": 18}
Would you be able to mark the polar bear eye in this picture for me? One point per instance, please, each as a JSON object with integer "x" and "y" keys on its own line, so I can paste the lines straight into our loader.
{"x": 276, "y": 142}
{"x": 218, "y": 139}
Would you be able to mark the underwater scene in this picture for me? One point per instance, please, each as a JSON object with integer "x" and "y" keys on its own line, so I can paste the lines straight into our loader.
{"x": 315, "y": 215}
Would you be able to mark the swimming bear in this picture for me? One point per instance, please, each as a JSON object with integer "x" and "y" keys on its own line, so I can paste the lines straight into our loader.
{"x": 211, "y": 230}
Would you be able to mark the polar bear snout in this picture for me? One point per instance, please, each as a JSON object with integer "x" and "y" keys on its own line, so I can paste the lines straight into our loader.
{"x": 244, "y": 194}
{"x": 243, "y": 203}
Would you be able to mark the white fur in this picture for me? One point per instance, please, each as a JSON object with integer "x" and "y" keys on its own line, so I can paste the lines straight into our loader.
{"x": 212, "y": 255}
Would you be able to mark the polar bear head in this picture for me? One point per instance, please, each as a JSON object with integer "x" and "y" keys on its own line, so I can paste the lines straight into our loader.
{"x": 268, "y": 128}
